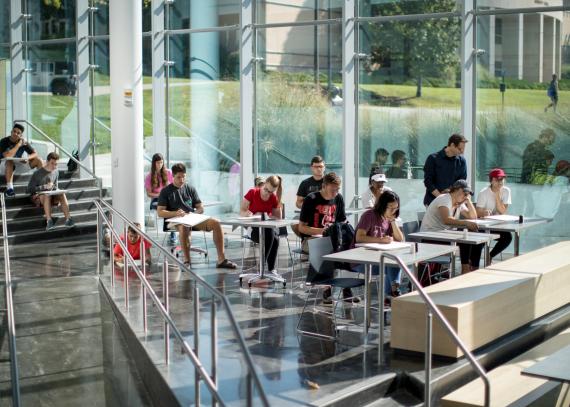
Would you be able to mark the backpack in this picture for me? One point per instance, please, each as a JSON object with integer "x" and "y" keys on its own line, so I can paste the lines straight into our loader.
{"x": 72, "y": 165}
{"x": 341, "y": 234}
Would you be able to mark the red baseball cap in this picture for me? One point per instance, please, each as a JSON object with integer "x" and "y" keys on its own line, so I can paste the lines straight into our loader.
{"x": 497, "y": 173}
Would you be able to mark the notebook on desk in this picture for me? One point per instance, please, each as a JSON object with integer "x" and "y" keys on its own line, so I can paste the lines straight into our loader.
{"x": 190, "y": 219}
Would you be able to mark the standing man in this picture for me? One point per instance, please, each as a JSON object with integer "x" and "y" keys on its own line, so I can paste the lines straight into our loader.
{"x": 443, "y": 168}
{"x": 45, "y": 179}
{"x": 14, "y": 146}
{"x": 552, "y": 93}
{"x": 178, "y": 199}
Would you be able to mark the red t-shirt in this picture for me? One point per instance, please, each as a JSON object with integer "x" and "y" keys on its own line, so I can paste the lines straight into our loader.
{"x": 258, "y": 205}
{"x": 133, "y": 248}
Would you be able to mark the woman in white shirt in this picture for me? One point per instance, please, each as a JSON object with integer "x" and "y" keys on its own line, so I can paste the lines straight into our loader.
{"x": 494, "y": 200}
{"x": 376, "y": 187}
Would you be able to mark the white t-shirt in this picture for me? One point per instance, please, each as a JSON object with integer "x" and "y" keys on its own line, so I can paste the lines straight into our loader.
{"x": 486, "y": 198}
{"x": 368, "y": 198}
{"x": 432, "y": 220}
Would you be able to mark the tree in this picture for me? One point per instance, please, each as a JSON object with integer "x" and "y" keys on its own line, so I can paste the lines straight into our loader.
{"x": 425, "y": 47}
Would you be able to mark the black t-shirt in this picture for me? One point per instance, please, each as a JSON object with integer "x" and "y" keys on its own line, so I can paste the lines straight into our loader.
{"x": 173, "y": 198}
{"x": 308, "y": 186}
{"x": 7, "y": 144}
{"x": 318, "y": 212}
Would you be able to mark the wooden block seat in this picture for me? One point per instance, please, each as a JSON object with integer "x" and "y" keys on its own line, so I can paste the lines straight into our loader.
{"x": 488, "y": 303}
{"x": 508, "y": 385}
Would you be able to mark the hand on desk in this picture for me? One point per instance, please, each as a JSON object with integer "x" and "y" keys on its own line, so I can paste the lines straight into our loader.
{"x": 471, "y": 226}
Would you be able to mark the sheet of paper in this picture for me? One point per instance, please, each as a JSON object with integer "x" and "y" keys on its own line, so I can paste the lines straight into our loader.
{"x": 138, "y": 263}
{"x": 384, "y": 246}
{"x": 254, "y": 217}
{"x": 504, "y": 218}
{"x": 190, "y": 219}
{"x": 483, "y": 221}
{"x": 53, "y": 192}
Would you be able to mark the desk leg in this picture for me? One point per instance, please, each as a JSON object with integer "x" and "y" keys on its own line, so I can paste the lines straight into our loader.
{"x": 517, "y": 242}
{"x": 381, "y": 309}
{"x": 453, "y": 255}
{"x": 367, "y": 273}
{"x": 487, "y": 254}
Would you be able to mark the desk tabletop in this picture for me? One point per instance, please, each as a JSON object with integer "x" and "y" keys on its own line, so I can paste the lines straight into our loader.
{"x": 554, "y": 367}
{"x": 362, "y": 255}
{"x": 514, "y": 226}
{"x": 454, "y": 236}
{"x": 256, "y": 222}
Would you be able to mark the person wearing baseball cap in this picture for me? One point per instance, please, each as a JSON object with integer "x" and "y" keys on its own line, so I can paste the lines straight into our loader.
{"x": 376, "y": 187}
{"x": 444, "y": 167}
{"x": 444, "y": 213}
{"x": 495, "y": 200}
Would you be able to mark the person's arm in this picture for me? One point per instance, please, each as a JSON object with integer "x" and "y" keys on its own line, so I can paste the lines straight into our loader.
{"x": 482, "y": 212}
{"x": 362, "y": 237}
{"x": 163, "y": 213}
{"x": 299, "y": 202}
{"x": 276, "y": 213}
{"x": 35, "y": 185}
{"x": 396, "y": 231}
{"x": 471, "y": 212}
{"x": 340, "y": 215}
{"x": 117, "y": 253}
{"x": 147, "y": 255}
{"x": 447, "y": 219}
{"x": 244, "y": 208}
{"x": 148, "y": 187}
{"x": 501, "y": 207}
{"x": 305, "y": 229}
{"x": 429, "y": 176}
{"x": 199, "y": 208}
{"x": 12, "y": 152}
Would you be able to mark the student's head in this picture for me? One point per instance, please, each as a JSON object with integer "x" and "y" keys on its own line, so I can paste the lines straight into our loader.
{"x": 456, "y": 144}
{"x": 17, "y": 130}
{"x": 377, "y": 182}
{"x": 497, "y": 177}
{"x": 158, "y": 171}
{"x": 398, "y": 157}
{"x": 258, "y": 182}
{"x": 460, "y": 191}
{"x": 549, "y": 157}
{"x": 554, "y": 77}
{"x": 381, "y": 156}
{"x": 179, "y": 174}
{"x": 317, "y": 167}
{"x": 157, "y": 162}
{"x": 272, "y": 185}
{"x": 388, "y": 205}
{"x": 547, "y": 137}
{"x": 331, "y": 185}
{"x": 51, "y": 161}
{"x": 132, "y": 234}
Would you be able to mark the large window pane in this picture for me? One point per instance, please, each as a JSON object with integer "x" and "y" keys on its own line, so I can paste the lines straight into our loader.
{"x": 101, "y": 17}
{"x": 51, "y": 19}
{"x": 102, "y": 111}
{"x": 270, "y": 12}
{"x": 52, "y": 100}
{"x": 5, "y": 102}
{"x": 368, "y": 8}
{"x": 203, "y": 14}
{"x": 518, "y": 127}
{"x": 409, "y": 101}
{"x": 204, "y": 112}
{"x": 298, "y": 103}
{"x": 5, "y": 22}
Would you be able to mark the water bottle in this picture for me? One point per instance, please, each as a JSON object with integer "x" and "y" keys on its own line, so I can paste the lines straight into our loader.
{"x": 464, "y": 233}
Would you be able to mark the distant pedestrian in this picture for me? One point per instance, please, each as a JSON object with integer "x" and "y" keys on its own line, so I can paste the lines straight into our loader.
{"x": 552, "y": 93}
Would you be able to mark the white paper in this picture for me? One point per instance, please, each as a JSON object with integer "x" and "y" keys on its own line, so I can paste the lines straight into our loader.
{"x": 53, "y": 192}
{"x": 504, "y": 218}
{"x": 384, "y": 246}
{"x": 483, "y": 221}
{"x": 138, "y": 263}
{"x": 190, "y": 219}
{"x": 254, "y": 217}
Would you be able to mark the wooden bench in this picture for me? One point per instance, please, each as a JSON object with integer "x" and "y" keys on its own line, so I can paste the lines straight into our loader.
{"x": 508, "y": 385}
{"x": 488, "y": 303}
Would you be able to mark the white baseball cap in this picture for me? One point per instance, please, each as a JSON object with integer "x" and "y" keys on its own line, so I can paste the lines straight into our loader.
{"x": 379, "y": 178}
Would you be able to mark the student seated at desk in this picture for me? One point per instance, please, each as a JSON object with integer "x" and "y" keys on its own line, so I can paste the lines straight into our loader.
{"x": 444, "y": 212}
{"x": 45, "y": 179}
{"x": 495, "y": 200}
{"x": 265, "y": 200}
{"x": 376, "y": 188}
{"x": 378, "y": 225}
{"x": 133, "y": 242}
{"x": 158, "y": 177}
{"x": 179, "y": 199}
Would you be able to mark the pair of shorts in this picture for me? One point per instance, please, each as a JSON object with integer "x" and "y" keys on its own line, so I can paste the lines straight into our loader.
{"x": 55, "y": 200}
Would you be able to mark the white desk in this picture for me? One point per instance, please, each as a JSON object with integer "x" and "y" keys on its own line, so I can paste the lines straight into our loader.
{"x": 514, "y": 227}
{"x": 368, "y": 257}
{"x": 554, "y": 367}
{"x": 261, "y": 224}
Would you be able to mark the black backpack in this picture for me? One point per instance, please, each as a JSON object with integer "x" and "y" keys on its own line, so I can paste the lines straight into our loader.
{"x": 72, "y": 165}
{"x": 341, "y": 234}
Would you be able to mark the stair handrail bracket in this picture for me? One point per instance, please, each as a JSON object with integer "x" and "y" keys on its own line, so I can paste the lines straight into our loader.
{"x": 432, "y": 309}
{"x": 217, "y": 299}
{"x": 66, "y": 152}
{"x": 14, "y": 371}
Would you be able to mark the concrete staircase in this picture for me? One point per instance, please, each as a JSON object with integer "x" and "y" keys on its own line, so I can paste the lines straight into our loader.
{"x": 27, "y": 222}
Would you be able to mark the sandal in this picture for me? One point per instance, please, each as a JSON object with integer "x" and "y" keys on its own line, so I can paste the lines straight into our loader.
{"x": 226, "y": 264}
{"x": 186, "y": 266}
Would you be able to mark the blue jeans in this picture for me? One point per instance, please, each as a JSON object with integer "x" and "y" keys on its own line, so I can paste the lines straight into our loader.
{"x": 393, "y": 275}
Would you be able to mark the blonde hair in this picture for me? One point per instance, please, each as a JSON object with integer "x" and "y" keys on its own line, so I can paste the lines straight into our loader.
{"x": 276, "y": 182}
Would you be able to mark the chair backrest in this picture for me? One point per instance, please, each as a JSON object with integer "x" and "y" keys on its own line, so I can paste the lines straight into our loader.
{"x": 421, "y": 217}
{"x": 318, "y": 248}
{"x": 410, "y": 227}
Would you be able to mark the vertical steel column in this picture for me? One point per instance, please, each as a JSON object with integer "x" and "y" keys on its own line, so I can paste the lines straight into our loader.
{"x": 166, "y": 295}
{"x": 18, "y": 38}
{"x": 126, "y": 268}
{"x": 381, "y": 270}
{"x": 214, "y": 345}
{"x": 99, "y": 243}
{"x": 469, "y": 84}
{"x": 158, "y": 77}
{"x": 143, "y": 288}
{"x": 167, "y": 64}
{"x": 247, "y": 94}
{"x": 111, "y": 238}
{"x": 427, "y": 384}
{"x": 196, "y": 311}
{"x": 83, "y": 73}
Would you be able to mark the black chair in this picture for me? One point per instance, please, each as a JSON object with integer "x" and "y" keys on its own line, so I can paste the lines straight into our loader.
{"x": 324, "y": 278}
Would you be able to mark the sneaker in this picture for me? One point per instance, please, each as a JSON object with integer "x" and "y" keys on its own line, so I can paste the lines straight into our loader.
{"x": 275, "y": 273}
{"x": 10, "y": 192}
{"x": 186, "y": 266}
{"x": 348, "y": 296}
{"x": 396, "y": 290}
{"x": 327, "y": 296}
{"x": 69, "y": 223}
{"x": 50, "y": 225}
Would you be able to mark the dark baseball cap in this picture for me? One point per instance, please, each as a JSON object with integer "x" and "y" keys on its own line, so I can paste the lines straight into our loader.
{"x": 462, "y": 184}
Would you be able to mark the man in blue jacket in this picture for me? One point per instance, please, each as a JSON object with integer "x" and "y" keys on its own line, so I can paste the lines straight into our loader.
{"x": 444, "y": 167}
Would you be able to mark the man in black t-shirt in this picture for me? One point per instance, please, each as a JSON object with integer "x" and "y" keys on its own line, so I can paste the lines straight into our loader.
{"x": 314, "y": 182}
{"x": 14, "y": 146}
{"x": 178, "y": 199}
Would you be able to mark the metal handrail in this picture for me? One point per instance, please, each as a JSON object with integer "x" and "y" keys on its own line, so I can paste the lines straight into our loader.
{"x": 70, "y": 155}
{"x": 14, "y": 374}
{"x": 108, "y": 129}
{"x": 209, "y": 379}
{"x": 447, "y": 326}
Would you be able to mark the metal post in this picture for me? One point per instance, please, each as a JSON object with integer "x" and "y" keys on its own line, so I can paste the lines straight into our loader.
{"x": 381, "y": 308}
{"x": 213, "y": 345}
{"x": 143, "y": 288}
{"x": 126, "y": 270}
{"x": 196, "y": 301}
{"x": 249, "y": 390}
{"x": 111, "y": 253}
{"x": 427, "y": 384}
{"x": 454, "y": 244}
{"x": 517, "y": 243}
{"x": 167, "y": 64}
{"x": 98, "y": 243}
{"x": 167, "y": 307}
{"x": 92, "y": 66}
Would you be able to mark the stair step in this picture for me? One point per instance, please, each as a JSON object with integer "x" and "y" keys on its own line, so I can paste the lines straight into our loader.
{"x": 71, "y": 183}
{"x": 22, "y": 200}
{"x": 24, "y": 177}
{"x": 39, "y": 222}
{"x": 27, "y": 211}
{"x": 80, "y": 228}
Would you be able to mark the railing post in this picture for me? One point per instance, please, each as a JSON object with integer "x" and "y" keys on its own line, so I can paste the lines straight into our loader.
{"x": 381, "y": 308}
{"x": 214, "y": 345}
{"x": 111, "y": 238}
{"x": 249, "y": 390}
{"x": 126, "y": 268}
{"x": 143, "y": 288}
{"x": 98, "y": 242}
{"x": 167, "y": 307}
{"x": 427, "y": 384}
{"x": 196, "y": 311}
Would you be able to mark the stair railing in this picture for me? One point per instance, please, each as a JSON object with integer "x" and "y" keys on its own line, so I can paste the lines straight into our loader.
{"x": 14, "y": 373}
{"x": 67, "y": 153}
{"x": 216, "y": 299}
{"x": 432, "y": 309}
